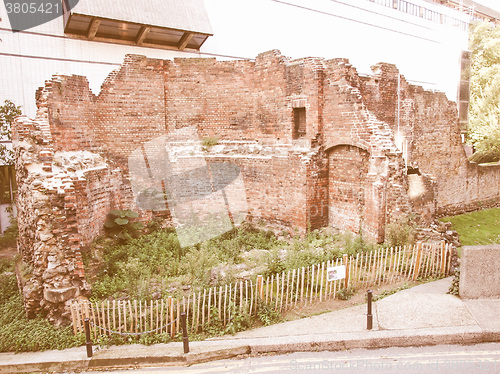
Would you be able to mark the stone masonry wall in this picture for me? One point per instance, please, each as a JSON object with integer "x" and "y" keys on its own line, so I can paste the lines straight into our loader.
{"x": 62, "y": 206}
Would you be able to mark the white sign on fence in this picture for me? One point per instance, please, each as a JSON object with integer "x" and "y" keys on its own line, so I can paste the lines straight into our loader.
{"x": 335, "y": 273}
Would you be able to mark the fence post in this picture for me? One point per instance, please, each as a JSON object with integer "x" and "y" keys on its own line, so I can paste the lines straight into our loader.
{"x": 346, "y": 263}
{"x": 185, "y": 339}
{"x": 260, "y": 286}
{"x": 73, "y": 317}
{"x": 418, "y": 260}
{"x": 88, "y": 343}
{"x": 443, "y": 257}
{"x": 369, "y": 316}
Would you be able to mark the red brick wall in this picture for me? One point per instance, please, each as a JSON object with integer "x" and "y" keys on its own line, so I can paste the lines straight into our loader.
{"x": 428, "y": 125}
{"x": 130, "y": 108}
{"x": 348, "y": 169}
{"x": 69, "y": 104}
{"x": 254, "y": 101}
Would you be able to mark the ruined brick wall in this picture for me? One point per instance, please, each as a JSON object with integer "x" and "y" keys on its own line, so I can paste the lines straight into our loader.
{"x": 426, "y": 128}
{"x": 317, "y": 145}
{"x": 66, "y": 102}
{"x": 217, "y": 99}
{"x": 270, "y": 175}
{"x": 130, "y": 109}
{"x": 63, "y": 199}
{"x": 245, "y": 101}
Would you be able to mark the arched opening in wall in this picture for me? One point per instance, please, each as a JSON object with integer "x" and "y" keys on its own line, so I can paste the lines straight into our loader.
{"x": 347, "y": 170}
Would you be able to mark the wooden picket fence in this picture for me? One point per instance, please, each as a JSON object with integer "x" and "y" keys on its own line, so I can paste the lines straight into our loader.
{"x": 281, "y": 292}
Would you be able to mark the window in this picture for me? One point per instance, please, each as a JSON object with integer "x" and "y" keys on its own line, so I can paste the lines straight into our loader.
{"x": 299, "y": 122}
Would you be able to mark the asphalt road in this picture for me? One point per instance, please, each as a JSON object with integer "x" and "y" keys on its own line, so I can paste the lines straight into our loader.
{"x": 442, "y": 359}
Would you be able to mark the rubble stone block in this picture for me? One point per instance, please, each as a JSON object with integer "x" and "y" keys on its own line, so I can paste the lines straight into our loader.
{"x": 59, "y": 295}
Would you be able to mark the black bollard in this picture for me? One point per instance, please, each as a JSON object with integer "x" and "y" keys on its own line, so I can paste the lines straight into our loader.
{"x": 369, "y": 316}
{"x": 185, "y": 339}
{"x": 87, "y": 337}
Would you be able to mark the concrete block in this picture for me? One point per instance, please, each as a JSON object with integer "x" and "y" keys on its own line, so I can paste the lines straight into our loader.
{"x": 480, "y": 272}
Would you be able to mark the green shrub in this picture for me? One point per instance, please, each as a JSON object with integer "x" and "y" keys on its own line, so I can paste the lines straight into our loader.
{"x": 122, "y": 224}
{"x": 346, "y": 293}
{"x": 156, "y": 262}
{"x": 239, "y": 321}
{"x": 275, "y": 263}
{"x": 134, "y": 267}
{"x": 401, "y": 232}
{"x": 267, "y": 314}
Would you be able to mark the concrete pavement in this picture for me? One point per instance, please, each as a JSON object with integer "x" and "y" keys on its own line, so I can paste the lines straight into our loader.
{"x": 422, "y": 315}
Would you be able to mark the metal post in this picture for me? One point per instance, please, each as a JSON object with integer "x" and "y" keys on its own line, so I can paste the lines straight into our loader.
{"x": 369, "y": 316}
{"x": 185, "y": 339}
{"x": 87, "y": 337}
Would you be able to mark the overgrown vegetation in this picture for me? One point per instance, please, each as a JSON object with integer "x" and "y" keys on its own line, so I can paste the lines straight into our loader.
{"x": 390, "y": 292}
{"x": 155, "y": 265}
{"x": 20, "y": 334}
{"x": 401, "y": 232}
{"x": 477, "y": 228}
{"x": 455, "y": 283}
{"x": 345, "y": 293}
{"x": 210, "y": 141}
{"x": 122, "y": 224}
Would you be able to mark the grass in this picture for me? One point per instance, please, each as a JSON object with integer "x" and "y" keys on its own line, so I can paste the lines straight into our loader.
{"x": 477, "y": 228}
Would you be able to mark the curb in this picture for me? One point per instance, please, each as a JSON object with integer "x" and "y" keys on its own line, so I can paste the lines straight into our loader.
{"x": 36, "y": 367}
{"x": 375, "y": 340}
{"x": 118, "y": 362}
{"x": 381, "y": 341}
{"x": 221, "y": 354}
{"x": 125, "y": 362}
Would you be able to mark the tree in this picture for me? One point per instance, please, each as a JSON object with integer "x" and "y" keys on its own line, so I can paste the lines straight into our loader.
{"x": 8, "y": 112}
{"x": 484, "y": 107}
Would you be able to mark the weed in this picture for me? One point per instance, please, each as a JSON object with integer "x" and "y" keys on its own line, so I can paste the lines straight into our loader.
{"x": 240, "y": 320}
{"x": 121, "y": 224}
{"x": 455, "y": 283}
{"x": 9, "y": 236}
{"x": 346, "y": 293}
{"x": 210, "y": 141}
{"x": 267, "y": 314}
{"x": 20, "y": 334}
{"x": 401, "y": 232}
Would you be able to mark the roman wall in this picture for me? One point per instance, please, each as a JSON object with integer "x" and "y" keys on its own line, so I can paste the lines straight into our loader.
{"x": 315, "y": 144}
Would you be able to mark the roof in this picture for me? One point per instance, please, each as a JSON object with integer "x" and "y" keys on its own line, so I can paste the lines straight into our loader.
{"x": 150, "y": 23}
